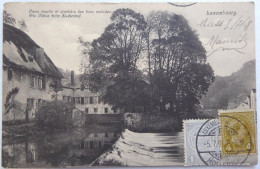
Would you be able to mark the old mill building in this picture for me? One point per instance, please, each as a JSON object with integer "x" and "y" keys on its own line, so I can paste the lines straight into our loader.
{"x": 27, "y": 72}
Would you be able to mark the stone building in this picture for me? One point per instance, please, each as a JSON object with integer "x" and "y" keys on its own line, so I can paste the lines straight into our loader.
{"x": 27, "y": 72}
{"x": 83, "y": 99}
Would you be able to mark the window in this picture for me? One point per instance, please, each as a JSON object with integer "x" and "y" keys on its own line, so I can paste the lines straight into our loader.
{"x": 95, "y": 110}
{"x": 39, "y": 103}
{"x": 86, "y": 110}
{"x": 95, "y": 100}
{"x": 86, "y": 100}
{"x": 78, "y": 100}
{"x": 95, "y": 135}
{"x": 106, "y": 110}
{"x": 82, "y": 144}
{"x": 20, "y": 75}
{"x": 106, "y": 134}
{"x": 33, "y": 81}
{"x": 29, "y": 103}
{"x": 10, "y": 74}
{"x": 114, "y": 110}
{"x": 44, "y": 102}
{"x": 90, "y": 100}
{"x": 40, "y": 82}
{"x": 99, "y": 99}
{"x": 82, "y": 87}
{"x": 36, "y": 104}
{"x": 32, "y": 103}
{"x": 44, "y": 83}
{"x": 91, "y": 144}
{"x": 69, "y": 99}
{"x": 82, "y": 100}
{"x": 86, "y": 144}
{"x": 64, "y": 98}
{"x": 73, "y": 100}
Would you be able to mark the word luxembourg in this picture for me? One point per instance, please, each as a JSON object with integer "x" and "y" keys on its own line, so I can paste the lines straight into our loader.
{"x": 233, "y": 13}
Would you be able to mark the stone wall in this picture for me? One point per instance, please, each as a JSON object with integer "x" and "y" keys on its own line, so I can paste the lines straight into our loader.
{"x": 150, "y": 122}
{"x": 103, "y": 118}
{"x": 138, "y": 122}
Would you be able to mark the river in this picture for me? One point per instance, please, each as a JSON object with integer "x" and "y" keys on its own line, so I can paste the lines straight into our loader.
{"x": 93, "y": 146}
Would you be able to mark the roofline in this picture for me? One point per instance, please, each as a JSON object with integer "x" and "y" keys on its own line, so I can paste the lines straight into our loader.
{"x": 59, "y": 74}
{"x": 28, "y": 70}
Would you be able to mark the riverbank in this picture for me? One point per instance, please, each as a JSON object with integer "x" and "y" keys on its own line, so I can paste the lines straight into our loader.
{"x": 17, "y": 130}
{"x": 59, "y": 149}
{"x": 144, "y": 149}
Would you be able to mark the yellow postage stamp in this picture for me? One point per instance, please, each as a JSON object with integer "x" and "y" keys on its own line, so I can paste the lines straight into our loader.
{"x": 238, "y": 132}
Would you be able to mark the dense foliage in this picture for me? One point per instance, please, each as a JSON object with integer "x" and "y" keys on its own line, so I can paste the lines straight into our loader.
{"x": 55, "y": 115}
{"x": 173, "y": 75}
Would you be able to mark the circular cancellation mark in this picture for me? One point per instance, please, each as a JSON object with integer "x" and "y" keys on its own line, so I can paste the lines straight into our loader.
{"x": 209, "y": 142}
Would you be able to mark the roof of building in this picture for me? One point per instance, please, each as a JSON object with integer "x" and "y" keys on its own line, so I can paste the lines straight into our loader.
{"x": 19, "y": 51}
{"x": 67, "y": 83}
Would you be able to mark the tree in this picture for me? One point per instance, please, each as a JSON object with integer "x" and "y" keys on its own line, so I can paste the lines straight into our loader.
{"x": 179, "y": 72}
{"x": 22, "y": 25}
{"x": 177, "y": 66}
{"x": 55, "y": 87}
{"x": 8, "y": 19}
{"x": 113, "y": 59}
{"x": 55, "y": 115}
{"x": 10, "y": 102}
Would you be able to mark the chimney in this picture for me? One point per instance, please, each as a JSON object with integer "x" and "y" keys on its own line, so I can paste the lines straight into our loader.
{"x": 72, "y": 77}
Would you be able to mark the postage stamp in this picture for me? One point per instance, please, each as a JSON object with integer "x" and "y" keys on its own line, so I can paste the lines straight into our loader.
{"x": 201, "y": 142}
{"x": 238, "y": 132}
{"x": 230, "y": 140}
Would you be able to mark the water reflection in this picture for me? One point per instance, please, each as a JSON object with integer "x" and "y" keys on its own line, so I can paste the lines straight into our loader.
{"x": 76, "y": 148}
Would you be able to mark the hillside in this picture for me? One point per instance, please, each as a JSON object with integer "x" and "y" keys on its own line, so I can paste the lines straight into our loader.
{"x": 235, "y": 86}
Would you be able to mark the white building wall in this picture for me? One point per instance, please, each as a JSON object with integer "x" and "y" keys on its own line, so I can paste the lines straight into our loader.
{"x": 253, "y": 100}
{"x": 22, "y": 80}
{"x": 87, "y": 101}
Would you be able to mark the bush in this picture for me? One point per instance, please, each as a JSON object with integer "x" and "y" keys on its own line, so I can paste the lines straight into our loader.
{"x": 55, "y": 115}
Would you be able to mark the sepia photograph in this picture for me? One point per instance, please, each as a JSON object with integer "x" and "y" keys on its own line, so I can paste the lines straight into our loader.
{"x": 128, "y": 84}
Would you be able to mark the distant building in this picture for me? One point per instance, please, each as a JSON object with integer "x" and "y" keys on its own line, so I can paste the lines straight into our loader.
{"x": 83, "y": 98}
{"x": 248, "y": 103}
{"x": 27, "y": 71}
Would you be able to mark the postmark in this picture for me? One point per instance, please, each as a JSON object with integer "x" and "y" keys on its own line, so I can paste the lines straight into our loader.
{"x": 208, "y": 142}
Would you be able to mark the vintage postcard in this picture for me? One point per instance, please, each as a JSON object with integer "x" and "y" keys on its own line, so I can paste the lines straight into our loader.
{"x": 128, "y": 84}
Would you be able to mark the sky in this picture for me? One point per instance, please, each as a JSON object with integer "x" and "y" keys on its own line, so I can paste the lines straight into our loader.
{"x": 228, "y": 39}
